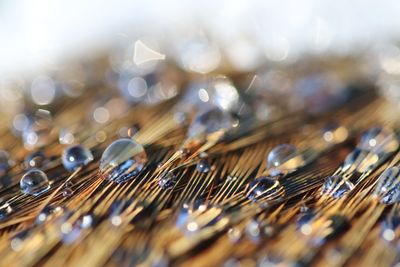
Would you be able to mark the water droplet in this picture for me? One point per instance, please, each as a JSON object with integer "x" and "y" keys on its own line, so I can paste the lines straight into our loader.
{"x": 389, "y": 227}
{"x": 76, "y": 156}
{"x": 35, "y": 160}
{"x": 379, "y": 140}
{"x": 256, "y": 230}
{"x": 388, "y": 187}
{"x": 123, "y": 160}
{"x": 213, "y": 121}
{"x": 203, "y": 166}
{"x": 34, "y": 182}
{"x": 5, "y": 162}
{"x": 67, "y": 192}
{"x": 336, "y": 186}
{"x": 38, "y": 132}
{"x": 47, "y": 212}
{"x": 167, "y": 180}
{"x": 284, "y": 159}
{"x": 5, "y": 210}
{"x": 360, "y": 161}
{"x": 234, "y": 234}
{"x": 66, "y": 137}
{"x": 264, "y": 188}
{"x": 334, "y": 133}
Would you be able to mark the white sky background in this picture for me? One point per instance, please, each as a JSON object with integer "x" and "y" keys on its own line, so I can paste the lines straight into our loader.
{"x": 35, "y": 33}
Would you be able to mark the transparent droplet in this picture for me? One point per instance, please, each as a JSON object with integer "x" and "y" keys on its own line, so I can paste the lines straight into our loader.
{"x": 209, "y": 122}
{"x": 187, "y": 209}
{"x": 38, "y": 132}
{"x": 336, "y": 186}
{"x": 5, "y": 162}
{"x": 123, "y": 160}
{"x": 256, "y": 230}
{"x": 388, "y": 187}
{"x": 335, "y": 133}
{"x": 5, "y": 210}
{"x": 67, "y": 192}
{"x": 203, "y": 166}
{"x": 76, "y": 156}
{"x": 47, "y": 212}
{"x": 379, "y": 140}
{"x": 264, "y": 188}
{"x": 35, "y": 160}
{"x": 234, "y": 234}
{"x": 360, "y": 161}
{"x": 66, "y": 137}
{"x": 167, "y": 180}
{"x": 34, "y": 182}
{"x": 284, "y": 159}
{"x": 389, "y": 227}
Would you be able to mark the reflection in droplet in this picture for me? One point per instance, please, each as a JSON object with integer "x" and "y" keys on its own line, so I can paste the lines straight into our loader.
{"x": 336, "y": 186}
{"x": 34, "y": 182}
{"x": 264, "y": 188}
{"x": 76, "y": 156}
{"x": 284, "y": 159}
{"x": 122, "y": 160}
{"x": 388, "y": 187}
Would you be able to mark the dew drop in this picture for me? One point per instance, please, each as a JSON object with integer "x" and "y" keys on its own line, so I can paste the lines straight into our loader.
{"x": 360, "y": 161}
{"x": 123, "y": 160}
{"x": 388, "y": 187}
{"x": 5, "y": 210}
{"x": 336, "y": 186}
{"x": 66, "y": 137}
{"x": 234, "y": 234}
{"x": 284, "y": 159}
{"x": 34, "y": 182}
{"x": 264, "y": 188}
{"x": 67, "y": 192}
{"x": 379, "y": 140}
{"x": 38, "y": 132}
{"x": 76, "y": 156}
{"x": 389, "y": 227}
{"x": 35, "y": 160}
{"x": 167, "y": 181}
{"x": 203, "y": 166}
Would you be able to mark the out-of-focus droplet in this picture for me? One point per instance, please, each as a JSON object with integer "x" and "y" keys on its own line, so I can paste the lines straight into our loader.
{"x": 389, "y": 227}
{"x": 47, "y": 212}
{"x": 388, "y": 188}
{"x": 144, "y": 54}
{"x": 5, "y": 210}
{"x": 203, "y": 166}
{"x": 66, "y": 137}
{"x": 264, "y": 188}
{"x": 360, "y": 161}
{"x": 379, "y": 140}
{"x": 123, "y": 160}
{"x": 101, "y": 115}
{"x": 34, "y": 182}
{"x": 38, "y": 132}
{"x": 35, "y": 160}
{"x": 284, "y": 159}
{"x": 334, "y": 133}
{"x": 43, "y": 90}
{"x": 76, "y": 156}
{"x": 5, "y": 162}
{"x": 212, "y": 121}
{"x": 234, "y": 234}
{"x": 256, "y": 230}
{"x": 167, "y": 180}
{"x": 336, "y": 186}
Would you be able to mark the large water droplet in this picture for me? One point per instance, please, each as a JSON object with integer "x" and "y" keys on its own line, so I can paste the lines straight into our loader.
{"x": 336, "y": 186}
{"x": 360, "y": 161}
{"x": 122, "y": 160}
{"x": 388, "y": 187}
{"x": 34, "y": 182}
{"x": 264, "y": 188}
{"x": 76, "y": 156}
{"x": 284, "y": 159}
{"x": 379, "y": 140}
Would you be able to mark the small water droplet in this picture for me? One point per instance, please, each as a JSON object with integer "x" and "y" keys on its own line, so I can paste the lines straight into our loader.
{"x": 234, "y": 234}
{"x": 123, "y": 160}
{"x": 76, "y": 156}
{"x": 167, "y": 181}
{"x": 335, "y": 133}
{"x": 35, "y": 160}
{"x": 389, "y": 227}
{"x": 379, "y": 140}
{"x": 66, "y": 137}
{"x": 284, "y": 159}
{"x": 203, "y": 166}
{"x": 5, "y": 210}
{"x": 388, "y": 187}
{"x": 256, "y": 230}
{"x": 38, "y": 132}
{"x": 67, "y": 192}
{"x": 47, "y": 212}
{"x": 336, "y": 186}
{"x": 34, "y": 182}
{"x": 264, "y": 188}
